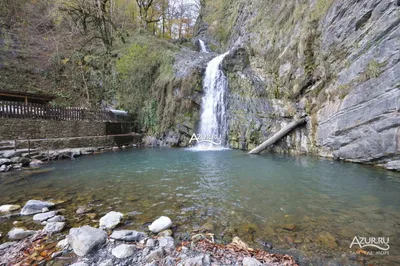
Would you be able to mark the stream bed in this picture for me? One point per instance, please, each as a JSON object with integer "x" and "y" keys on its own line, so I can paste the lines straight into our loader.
{"x": 304, "y": 204}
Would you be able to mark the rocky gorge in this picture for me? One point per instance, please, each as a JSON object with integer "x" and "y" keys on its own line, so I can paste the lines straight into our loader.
{"x": 334, "y": 62}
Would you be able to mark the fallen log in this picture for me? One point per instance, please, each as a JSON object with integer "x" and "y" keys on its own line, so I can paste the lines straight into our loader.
{"x": 281, "y": 133}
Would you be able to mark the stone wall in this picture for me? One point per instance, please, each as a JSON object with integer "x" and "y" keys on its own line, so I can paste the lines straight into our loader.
{"x": 65, "y": 134}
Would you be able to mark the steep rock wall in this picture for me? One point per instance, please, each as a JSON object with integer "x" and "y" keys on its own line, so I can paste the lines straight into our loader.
{"x": 335, "y": 61}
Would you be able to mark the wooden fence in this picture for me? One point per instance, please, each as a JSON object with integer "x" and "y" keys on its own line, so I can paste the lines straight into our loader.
{"x": 10, "y": 109}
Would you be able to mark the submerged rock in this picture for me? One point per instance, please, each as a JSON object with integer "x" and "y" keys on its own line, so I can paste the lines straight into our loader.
{"x": 111, "y": 220}
{"x": 128, "y": 235}
{"x": 35, "y": 206}
{"x": 9, "y": 208}
{"x": 123, "y": 251}
{"x": 160, "y": 224}
{"x": 20, "y": 233}
{"x": 289, "y": 227}
{"x": 54, "y": 227}
{"x": 40, "y": 217}
{"x": 85, "y": 239}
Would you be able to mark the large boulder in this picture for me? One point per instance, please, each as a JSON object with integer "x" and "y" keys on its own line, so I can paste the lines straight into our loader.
{"x": 84, "y": 239}
{"x": 35, "y": 206}
{"x": 128, "y": 235}
{"x": 20, "y": 233}
{"x": 123, "y": 251}
{"x": 160, "y": 224}
{"x": 110, "y": 220}
{"x": 9, "y": 208}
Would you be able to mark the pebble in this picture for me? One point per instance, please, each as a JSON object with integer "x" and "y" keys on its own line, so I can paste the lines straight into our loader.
{"x": 123, "y": 251}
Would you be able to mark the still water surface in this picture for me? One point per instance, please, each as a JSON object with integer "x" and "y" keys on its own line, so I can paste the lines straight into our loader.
{"x": 230, "y": 193}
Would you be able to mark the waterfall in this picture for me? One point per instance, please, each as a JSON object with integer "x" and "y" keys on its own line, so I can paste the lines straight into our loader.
{"x": 203, "y": 46}
{"x": 213, "y": 121}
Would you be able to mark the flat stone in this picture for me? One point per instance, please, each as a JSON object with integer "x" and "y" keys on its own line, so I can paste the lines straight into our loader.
{"x": 110, "y": 220}
{"x": 7, "y": 245}
{"x": 9, "y": 208}
{"x": 85, "y": 239}
{"x": 128, "y": 235}
{"x": 35, "y": 206}
{"x": 123, "y": 251}
{"x": 54, "y": 227}
{"x": 251, "y": 262}
{"x": 160, "y": 224}
{"x": 40, "y": 217}
{"x": 57, "y": 218}
{"x": 20, "y": 233}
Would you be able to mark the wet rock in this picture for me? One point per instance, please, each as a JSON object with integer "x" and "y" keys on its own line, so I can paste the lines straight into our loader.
{"x": 123, "y": 251}
{"x": 40, "y": 217}
{"x": 165, "y": 233}
{"x": 207, "y": 227}
{"x": 35, "y": 206}
{"x": 85, "y": 239}
{"x": 251, "y": 262}
{"x": 57, "y": 218}
{"x": 35, "y": 163}
{"x": 155, "y": 255}
{"x": 128, "y": 235}
{"x": 110, "y": 220}
{"x": 9, "y": 208}
{"x": 327, "y": 239}
{"x": 91, "y": 215}
{"x": 7, "y": 245}
{"x": 289, "y": 227}
{"x": 54, "y": 227}
{"x": 83, "y": 210}
{"x": 20, "y": 233}
{"x": 166, "y": 242}
{"x": 160, "y": 224}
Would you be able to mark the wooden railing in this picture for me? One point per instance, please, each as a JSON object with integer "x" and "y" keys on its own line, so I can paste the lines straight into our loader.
{"x": 10, "y": 109}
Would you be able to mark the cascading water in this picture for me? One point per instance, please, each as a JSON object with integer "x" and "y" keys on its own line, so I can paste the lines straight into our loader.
{"x": 213, "y": 121}
{"x": 203, "y": 46}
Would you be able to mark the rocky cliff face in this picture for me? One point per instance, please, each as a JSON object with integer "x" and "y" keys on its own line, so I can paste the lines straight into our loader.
{"x": 338, "y": 62}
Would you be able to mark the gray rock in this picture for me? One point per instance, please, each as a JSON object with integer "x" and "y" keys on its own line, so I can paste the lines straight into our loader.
{"x": 20, "y": 233}
{"x": 160, "y": 224}
{"x": 202, "y": 260}
{"x": 106, "y": 263}
{"x": 57, "y": 218}
{"x": 150, "y": 243}
{"x": 9, "y": 208}
{"x": 7, "y": 245}
{"x": 35, "y": 206}
{"x": 40, "y": 217}
{"x": 128, "y": 235}
{"x": 83, "y": 210}
{"x": 111, "y": 220}
{"x": 123, "y": 251}
{"x": 5, "y": 161}
{"x": 166, "y": 242}
{"x": 35, "y": 163}
{"x": 85, "y": 239}
{"x": 54, "y": 227}
{"x": 251, "y": 262}
{"x": 165, "y": 233}
{"x": 80, "y": 264}
{"x": 394, "y": 165}
{"x": 155, "y": 255}
{"x": 62, "y": 244}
